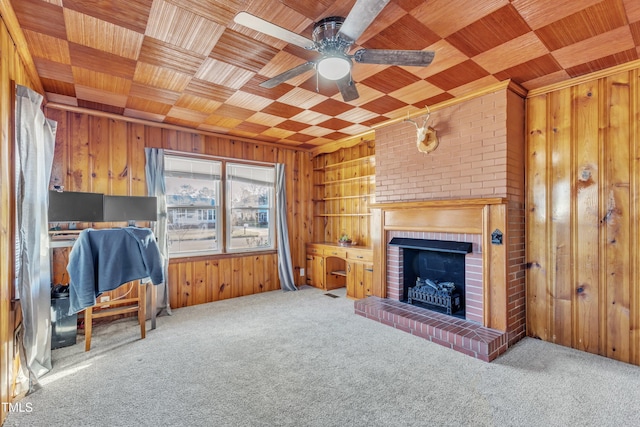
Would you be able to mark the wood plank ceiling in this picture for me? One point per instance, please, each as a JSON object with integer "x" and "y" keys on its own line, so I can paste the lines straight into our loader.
{"x": 186, "y": 62}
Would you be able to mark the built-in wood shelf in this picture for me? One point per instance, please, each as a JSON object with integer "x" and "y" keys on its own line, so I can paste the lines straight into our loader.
{"x": 371, "y": 159}
{"x": 343, "y": 187}
{"x": 339, "y": 181}
{"x": 356, "y": 196}
{"x": 345, "y": 215}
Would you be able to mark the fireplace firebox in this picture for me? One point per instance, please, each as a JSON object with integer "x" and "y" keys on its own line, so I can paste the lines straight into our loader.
{"x": 434, "y": 274}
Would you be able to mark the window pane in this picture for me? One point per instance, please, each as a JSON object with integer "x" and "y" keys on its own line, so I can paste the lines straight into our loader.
{"x": 193, "y": 194}
{"x": 250, "y": 207}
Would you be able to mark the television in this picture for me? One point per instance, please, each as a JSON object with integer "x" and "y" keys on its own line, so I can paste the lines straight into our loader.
{"x": 130, "y": 208}
{"x": 75, "y": 206}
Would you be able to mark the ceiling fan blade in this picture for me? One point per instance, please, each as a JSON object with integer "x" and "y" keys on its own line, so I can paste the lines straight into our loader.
{"x": 348, "y": 88}
{"x": 250, "y": 21}
{"x": 289, "y": 74}
{"x": 361, "y": 16}
{"x": 416, "y": 58}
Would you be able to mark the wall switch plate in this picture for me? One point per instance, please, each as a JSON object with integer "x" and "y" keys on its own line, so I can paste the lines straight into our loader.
{"x": 302, "y": 272}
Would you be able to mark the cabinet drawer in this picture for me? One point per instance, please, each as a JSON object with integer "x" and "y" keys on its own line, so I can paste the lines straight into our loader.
{"x": 340, "y": 253}
{"x": 314, "y": 251}
{"x": 360, "y": 255}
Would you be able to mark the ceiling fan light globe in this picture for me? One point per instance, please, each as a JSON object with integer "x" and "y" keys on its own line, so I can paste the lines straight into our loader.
{"x": 334, "y": 67}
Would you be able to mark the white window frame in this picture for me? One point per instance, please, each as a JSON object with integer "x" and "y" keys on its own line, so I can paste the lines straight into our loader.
{"x": 222, "y": 210}
{"x": 270, "y": 207}
{"x": 193, "y": 211}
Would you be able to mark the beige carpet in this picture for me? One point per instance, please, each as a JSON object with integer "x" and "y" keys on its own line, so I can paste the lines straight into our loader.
{"x": 305, "y": 359}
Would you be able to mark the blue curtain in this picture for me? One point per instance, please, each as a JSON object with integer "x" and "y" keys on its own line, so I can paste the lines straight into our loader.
{"x": 154, "y": 171}
{"x": 285, "y": 269}
{"x": 35, "y": 142}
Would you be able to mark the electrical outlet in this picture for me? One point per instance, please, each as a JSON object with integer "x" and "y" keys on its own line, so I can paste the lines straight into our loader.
{"x": 302, "y": 272}
{"x": 105, "y": 298}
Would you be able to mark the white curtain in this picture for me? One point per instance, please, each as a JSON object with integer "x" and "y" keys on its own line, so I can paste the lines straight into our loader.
{"x": 285, "y": 269}
{"x": 35, "y": 142}
{"x": 154, "y": 172}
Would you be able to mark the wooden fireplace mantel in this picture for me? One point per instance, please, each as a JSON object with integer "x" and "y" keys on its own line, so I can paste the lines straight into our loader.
{"x": 475, "y": 216}
{"x": 439, "y": 203}
{"x": 447, "y": 216}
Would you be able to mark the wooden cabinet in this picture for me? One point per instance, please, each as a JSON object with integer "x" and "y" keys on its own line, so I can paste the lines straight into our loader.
{"x": 315, "y": 270}
{"x": 330, "y": 266}
{"x": 359, "y": 273}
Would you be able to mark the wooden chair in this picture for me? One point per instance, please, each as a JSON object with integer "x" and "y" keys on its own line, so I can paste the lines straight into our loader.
{"x": 117, "y": 306}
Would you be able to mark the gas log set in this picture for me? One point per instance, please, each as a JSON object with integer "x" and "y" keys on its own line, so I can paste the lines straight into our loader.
{"x": 439, "y": 294}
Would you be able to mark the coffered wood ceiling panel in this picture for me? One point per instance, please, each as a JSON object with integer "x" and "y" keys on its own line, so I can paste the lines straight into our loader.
{"x": 186, "y": 62}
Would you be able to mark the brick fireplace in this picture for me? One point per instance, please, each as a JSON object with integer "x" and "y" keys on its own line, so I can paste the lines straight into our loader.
{"x": 471, "y": 189}
{"x": 472, "y": 302}
{"x": 494, "y": 290}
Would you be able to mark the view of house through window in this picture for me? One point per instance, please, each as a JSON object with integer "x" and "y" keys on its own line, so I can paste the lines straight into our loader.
{"x": 196, "y": 203}
{"x": 250, "y": 205}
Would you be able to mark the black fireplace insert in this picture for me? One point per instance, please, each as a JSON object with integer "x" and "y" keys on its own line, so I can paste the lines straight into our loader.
{"x": 434, "y": 273}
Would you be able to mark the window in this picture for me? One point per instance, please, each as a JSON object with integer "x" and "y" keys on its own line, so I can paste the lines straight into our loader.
{"x": 250, "y": 205}
{"x": 193, "y": 195}
{"x": 196, "y": 206}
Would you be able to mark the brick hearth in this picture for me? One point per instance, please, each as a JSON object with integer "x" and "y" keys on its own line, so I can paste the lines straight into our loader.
{"x": 461, "y": 335}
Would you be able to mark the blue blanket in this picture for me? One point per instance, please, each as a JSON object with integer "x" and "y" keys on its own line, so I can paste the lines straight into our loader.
{"x": 102, "y": 260}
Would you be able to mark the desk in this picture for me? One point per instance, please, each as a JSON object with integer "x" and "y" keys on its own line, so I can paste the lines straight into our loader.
{"x": 331, "y": 266}
{"x": 67, "y": 238}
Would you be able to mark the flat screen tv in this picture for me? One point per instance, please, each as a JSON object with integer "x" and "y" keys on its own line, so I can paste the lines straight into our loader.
{"x": 75, "y": 206}
{"x": 130, "y": 208}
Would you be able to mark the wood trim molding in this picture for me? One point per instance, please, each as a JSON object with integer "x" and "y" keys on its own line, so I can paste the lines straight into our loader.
{"x": 15, "y": 32}
{"x": 503, "y": 85}
{"x": 439, "y": 203}
{"x": 495, "y": 270}
{"x": 225, "y": 255}
{"x": 347, "y": 142}
{"x": 81, "y": 110}
{"x": 584, "y": 79}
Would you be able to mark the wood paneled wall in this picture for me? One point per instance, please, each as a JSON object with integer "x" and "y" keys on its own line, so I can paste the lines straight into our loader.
{"x": 583, "y": 213}
{"x": 105, "y": 154}
{"x": 12, "y": 71}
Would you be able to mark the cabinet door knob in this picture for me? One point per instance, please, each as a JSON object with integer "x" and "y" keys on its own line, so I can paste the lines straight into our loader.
{"x": 359, "y": 256}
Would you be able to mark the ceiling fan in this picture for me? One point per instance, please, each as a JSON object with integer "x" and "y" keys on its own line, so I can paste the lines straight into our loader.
{"x": 332, "y": 37}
